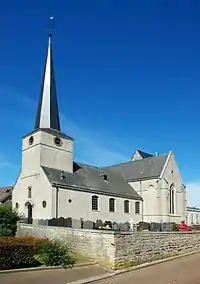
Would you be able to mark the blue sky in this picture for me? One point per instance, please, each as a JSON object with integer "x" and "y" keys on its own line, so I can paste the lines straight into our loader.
{"x": 127, "y": 72}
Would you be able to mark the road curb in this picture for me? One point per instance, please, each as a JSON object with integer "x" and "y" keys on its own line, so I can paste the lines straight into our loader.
{"x": 40, "y": 268}
{"x": 121, "y": 271}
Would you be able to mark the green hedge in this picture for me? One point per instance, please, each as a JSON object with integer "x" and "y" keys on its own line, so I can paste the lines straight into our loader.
{"x": 16, "y": 252}
{"x": 55, "y": 253}
{"x": 21, "y": 252}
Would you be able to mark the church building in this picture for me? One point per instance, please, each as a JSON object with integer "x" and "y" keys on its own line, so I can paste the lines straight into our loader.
{"x": 52, "y": 185}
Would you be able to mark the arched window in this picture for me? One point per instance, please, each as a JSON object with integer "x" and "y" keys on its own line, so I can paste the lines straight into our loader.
{"x": 95, "y": 202}
{"x": 29, "y": 192}
{"x": 126, "y": 206}
{"x": 192, "y": 218}
{"x": 137, "y": 207}
{"x": 171, "y": 199}
{"x": 112, "y": 205}
{"x": 197, "y": 219}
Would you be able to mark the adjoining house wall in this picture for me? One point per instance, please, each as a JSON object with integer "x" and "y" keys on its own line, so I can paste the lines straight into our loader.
{"x": 193, "y": 216}
{"x": 119, "y": 248}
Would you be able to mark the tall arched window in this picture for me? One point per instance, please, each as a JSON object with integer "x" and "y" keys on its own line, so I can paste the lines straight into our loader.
{"x": 192, "y": 218}
{"x": 171, "y": 199}
{"x": 112, "y": 205}
{"x": 126, "y": 206}
{"x": 29, "y": 192}
{"x": 95, "y": 205}
{"x": 197, "y": 218}
{"x": 137, "y": 207}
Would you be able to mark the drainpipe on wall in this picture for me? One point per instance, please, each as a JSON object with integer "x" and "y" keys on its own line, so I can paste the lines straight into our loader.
{"x": 142, "y": 201}
{"x": 57, "y": 189}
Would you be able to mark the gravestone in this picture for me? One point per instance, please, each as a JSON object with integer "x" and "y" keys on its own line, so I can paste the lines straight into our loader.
{"x": 98, "y": 224}
{"x": 155, "y": 227}
{"x": 125, "y": 227}
{"x": 52, "y": 222}
{"x": 108, "y": 224}
{"x": 42, "y": 222}
{"x": 67, "y": 222}
{"x": 76, "y": 224}
{"x": 144, "y": 226}
{"x": 115, "y": 226}
{"x": 88, "y": 225}
{"x": 167, "y": 227}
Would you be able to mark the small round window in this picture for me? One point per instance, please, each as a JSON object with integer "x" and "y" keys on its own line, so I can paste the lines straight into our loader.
{"x": 57, "y": 141}
{"x": 70, "y": 201}
{"x": 44, "y": 204}
{"x": 31, "y": 140}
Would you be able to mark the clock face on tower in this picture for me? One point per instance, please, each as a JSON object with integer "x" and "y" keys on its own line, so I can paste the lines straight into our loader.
{"x": 31, "y": 140}
{"x": 57, "y": 141}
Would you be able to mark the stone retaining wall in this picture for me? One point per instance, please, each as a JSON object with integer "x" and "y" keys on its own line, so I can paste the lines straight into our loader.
{"x": 95, "y": 244}
{"x": 120, "y": 248}
{"x": 139, "y": 247}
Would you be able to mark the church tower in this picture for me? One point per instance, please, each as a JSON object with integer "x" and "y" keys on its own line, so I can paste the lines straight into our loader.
{"x": 46, "y": 145}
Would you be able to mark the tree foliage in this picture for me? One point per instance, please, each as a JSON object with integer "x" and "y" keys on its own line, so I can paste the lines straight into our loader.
{"x": 8, "y": 220}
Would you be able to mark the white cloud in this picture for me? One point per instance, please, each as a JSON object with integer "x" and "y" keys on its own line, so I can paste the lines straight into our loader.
{"x": 193, "y": 193}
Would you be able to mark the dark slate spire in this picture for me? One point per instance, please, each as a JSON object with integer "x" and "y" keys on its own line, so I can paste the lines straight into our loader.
{"x": 47, "y": 113}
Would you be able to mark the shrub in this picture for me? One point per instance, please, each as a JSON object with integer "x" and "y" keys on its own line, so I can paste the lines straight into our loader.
{"x": 16, "y": 252}
{"x": 55, "y": 253}
{"x": 8, "y": 220}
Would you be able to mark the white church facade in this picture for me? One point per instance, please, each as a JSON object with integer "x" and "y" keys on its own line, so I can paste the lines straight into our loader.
{"x": 51, "y": 184}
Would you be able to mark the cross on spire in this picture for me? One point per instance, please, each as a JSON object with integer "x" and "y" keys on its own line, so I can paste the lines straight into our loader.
{"x": 47, "y": 112}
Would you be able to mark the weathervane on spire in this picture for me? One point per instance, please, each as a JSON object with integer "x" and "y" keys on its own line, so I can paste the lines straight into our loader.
{"x": 51, "y": 26}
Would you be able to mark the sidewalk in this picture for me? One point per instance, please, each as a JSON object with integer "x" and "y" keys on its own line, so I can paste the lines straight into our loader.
{"x": 58, "y": 276}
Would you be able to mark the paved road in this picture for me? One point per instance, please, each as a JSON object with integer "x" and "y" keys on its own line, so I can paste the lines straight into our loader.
{"x": 179, "y": 271}
{"x": 60, "y": 276}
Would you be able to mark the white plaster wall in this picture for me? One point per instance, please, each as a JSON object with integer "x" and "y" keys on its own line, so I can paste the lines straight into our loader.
{"x": 41, "y": 190}
{"x": 171, "y": 175}
{"x": 81, "y": 207}
{"x": 152, "y": 194}
{"x": 155, "y": 193}
{"x": 44, "y": 152}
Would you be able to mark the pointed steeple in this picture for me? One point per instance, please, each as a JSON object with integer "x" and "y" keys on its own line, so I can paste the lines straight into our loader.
{"x": 47, "y": 113}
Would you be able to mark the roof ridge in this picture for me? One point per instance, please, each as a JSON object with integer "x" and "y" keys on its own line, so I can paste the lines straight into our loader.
{"x": 136, "y": 161}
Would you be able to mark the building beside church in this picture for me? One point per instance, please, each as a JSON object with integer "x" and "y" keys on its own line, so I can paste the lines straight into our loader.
{"x": 52, "y": 185}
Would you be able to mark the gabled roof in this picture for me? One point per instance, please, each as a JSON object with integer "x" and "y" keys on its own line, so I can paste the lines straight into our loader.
{"x": 90, "y": 179}
{"x": 147, "y": 168}
{"x": 143, "y": 154}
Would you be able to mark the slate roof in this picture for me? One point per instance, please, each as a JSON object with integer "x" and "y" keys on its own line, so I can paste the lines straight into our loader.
{"x": 50, "y": 131}
{"x": 5, "y": 193}
{"x": 90, "y": 179}
{"x": 147, "y": 168}
{"x": 47, "y": 112}
{"x": 144, "y": 154}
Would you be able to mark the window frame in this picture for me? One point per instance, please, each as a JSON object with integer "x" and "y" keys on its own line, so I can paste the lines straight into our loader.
{"x": 126, "y": 203}
{"x": 95, "y": 203}
{"x": 137, "y": 209}
{"x": 111, "y": 205}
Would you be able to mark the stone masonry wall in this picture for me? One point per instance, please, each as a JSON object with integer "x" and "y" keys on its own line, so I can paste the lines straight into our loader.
{"x": 139, "y": 247}
{"x": 95, "y": 244}
{"x": 120, "y": 248}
